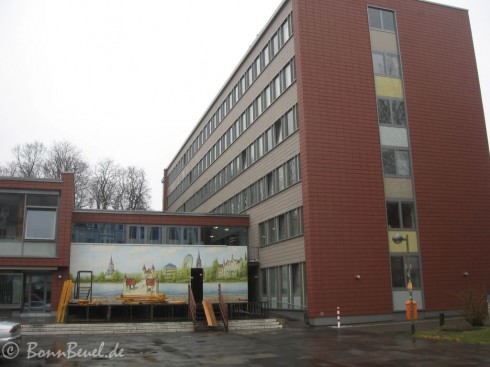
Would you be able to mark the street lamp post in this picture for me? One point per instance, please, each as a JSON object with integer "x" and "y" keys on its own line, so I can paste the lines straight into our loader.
{"x": 398, "y": 238}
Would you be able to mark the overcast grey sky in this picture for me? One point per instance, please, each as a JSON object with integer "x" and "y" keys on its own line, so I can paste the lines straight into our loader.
{"x": 129, "y": 80}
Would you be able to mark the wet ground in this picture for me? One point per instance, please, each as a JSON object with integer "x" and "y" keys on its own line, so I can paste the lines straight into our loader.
{"x": 294, "y": 345}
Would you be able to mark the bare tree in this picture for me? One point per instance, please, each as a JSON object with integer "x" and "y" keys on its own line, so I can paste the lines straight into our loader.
{"x": 65, "y": 157}
{"x": 103, "y": 184}
{"x": 133, "y": 192}
{"x": 9, "y": 170}
{"x": 29, "y": 159}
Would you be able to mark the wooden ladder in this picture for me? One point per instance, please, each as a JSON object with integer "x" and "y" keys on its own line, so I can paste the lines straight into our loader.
{"x": 64, "y": 299}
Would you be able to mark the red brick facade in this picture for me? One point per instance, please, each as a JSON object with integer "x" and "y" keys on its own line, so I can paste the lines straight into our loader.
{"x": 343, "y": 195}
{"x": 65, "y": 187}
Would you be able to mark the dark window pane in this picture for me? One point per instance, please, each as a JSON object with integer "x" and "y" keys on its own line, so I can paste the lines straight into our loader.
{"x": 388, "y": 19}
{"x": 283, "y": 228}
{"x": 384, "y": 112}
{"x": 374, "y": 18}
{"x": 42, "y": 200}
{"x": 393, "y": 215}
{"x": 389, "y": 165}
{"x": 408, "y": 215}
{"x": 399, "y": 117}
{"x": 397, "y": 272}
{"x": 271, "y": 231}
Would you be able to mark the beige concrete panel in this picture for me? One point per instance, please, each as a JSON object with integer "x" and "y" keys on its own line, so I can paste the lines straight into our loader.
{"x": 282, "y": 253}
{"x": 384, "y": 41}
{"x": 398, "y": 188}
{"x": 280, "y": 155}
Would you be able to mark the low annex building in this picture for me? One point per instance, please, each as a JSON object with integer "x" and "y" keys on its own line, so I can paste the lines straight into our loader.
{"x": 45, "y": 241}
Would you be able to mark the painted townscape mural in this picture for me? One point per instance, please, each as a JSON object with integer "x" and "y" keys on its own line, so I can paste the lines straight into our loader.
{"x": 160, "y": 269}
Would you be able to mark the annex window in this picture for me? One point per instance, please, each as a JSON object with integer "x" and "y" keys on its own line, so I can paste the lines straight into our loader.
{"x": 41, "y": 215}
{"x": 11, "y": 216}
{"x": 386, "y": 64}
{"x": 391, "y": 112}
{"x": 381, "y": 19}
{"x": 400, "y": 215}
{"x": 396, "y": 162}
{"x": 40, "y": 224}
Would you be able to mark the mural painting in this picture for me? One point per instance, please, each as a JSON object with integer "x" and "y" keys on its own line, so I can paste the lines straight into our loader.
{"x": 156, "y": 270}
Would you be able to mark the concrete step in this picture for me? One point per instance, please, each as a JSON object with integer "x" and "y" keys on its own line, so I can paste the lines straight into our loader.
{"x": 142, "y": 328}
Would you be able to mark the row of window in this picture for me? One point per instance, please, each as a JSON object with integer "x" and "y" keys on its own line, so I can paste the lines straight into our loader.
{"x": 281, "y": 129}
{"x": 40, "y": 213}
{"x": 280, "y": 37}
{"x": 283, "y": 227}
{"x": 170, "y": 235}
{"x": 284, "y": 287}
{"x": 274, "y": 182}
{"x": 279, "y": 84}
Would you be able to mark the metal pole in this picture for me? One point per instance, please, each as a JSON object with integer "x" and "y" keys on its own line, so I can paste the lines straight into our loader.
{"x": 410, "y": 286}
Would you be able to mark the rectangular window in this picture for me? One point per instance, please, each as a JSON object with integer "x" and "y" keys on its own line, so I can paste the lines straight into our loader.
{"x": 391, "y": 112}
{"x": 291, "y": 122}
{"x": 10, "y": 289}
{"x": 262, "y": 234}
{"x": 281, "y": 179}
{"x": 257, "y": 66}
{"x": 271, "y": 184}
{"x": 267, "y": 97}
{"x": 268, "y": 140}
{"x": 155, "y": 235}
{"x": 396, "y": 162}
{"x": 400, "y": 215}
{"x": 275, "y": 44}
{"x": 288, "y": 75}
{"x": 266, "y": 55}
{"x": 174, "y": 235}
{"x": 283, "y": 228}
{"x": 386, "y": 64}
{"x": 401, "y": 267}
{"x": 278, "y": 131}
{"x": 271, "y": 231}
{"x": 381, "y": 19}
{"x": 294, "y": 223}
{"x": 277, "y": 87}
{"x": 40, "y": 224}
{"x": 292, "y": 171}
{"x": 11, "y": 216}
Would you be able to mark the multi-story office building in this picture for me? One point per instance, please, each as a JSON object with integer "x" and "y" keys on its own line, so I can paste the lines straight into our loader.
{"x": 348, "y": 122}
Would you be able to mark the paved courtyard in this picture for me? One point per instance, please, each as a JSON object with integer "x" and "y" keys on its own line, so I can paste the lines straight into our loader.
{"x": 294, "y": 345}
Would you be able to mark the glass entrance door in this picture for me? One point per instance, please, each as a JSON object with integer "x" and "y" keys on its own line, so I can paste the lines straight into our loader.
{"x": 37, "y": 295}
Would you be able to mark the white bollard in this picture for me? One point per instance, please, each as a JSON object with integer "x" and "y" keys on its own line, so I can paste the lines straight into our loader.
{"x": 338, "y": 317}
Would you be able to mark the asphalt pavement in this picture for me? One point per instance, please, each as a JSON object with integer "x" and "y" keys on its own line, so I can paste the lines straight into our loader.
{"x": 389, "y": 344}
